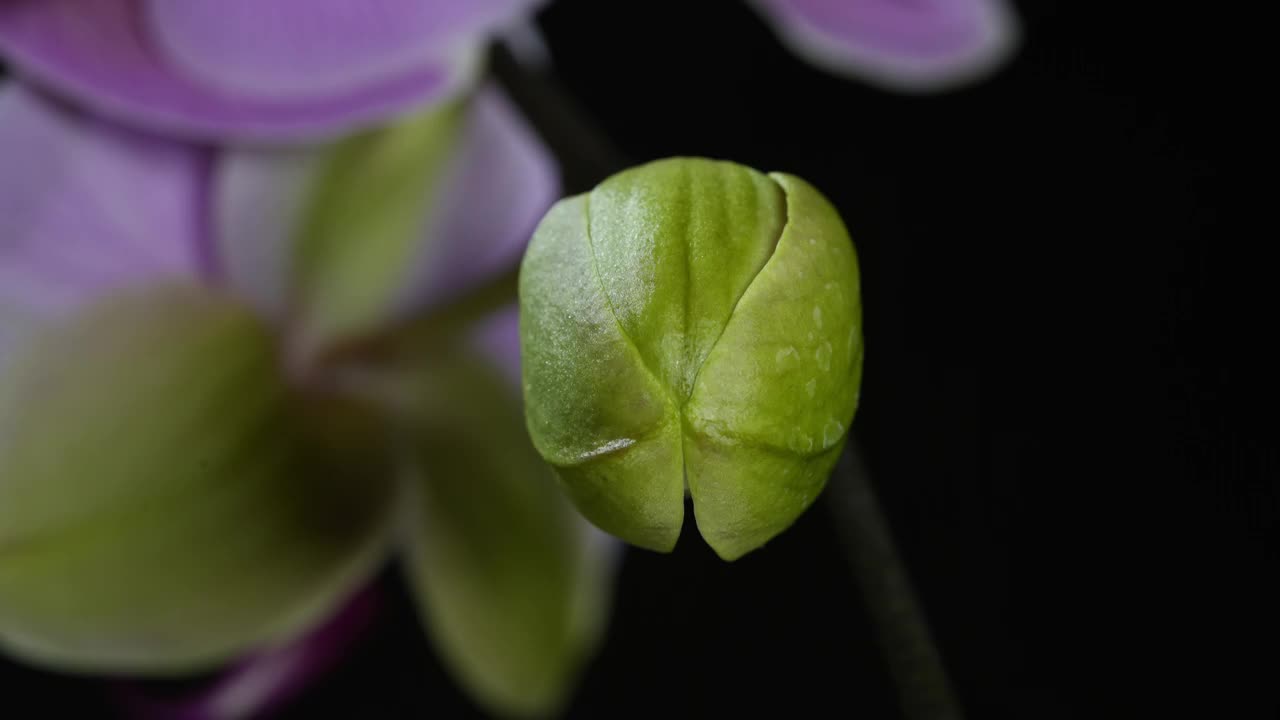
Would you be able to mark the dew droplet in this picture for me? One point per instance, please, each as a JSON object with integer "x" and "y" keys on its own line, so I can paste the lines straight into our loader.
{"x": 831, "y": 433}
{"x": 800, "y": 441}
{"x": 817, "y": 316}
{"x": 823, "y": 356}
{"x": 786, "y": 358}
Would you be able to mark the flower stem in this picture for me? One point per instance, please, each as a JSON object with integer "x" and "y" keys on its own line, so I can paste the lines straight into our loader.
{"x": 587, "y": 156}
{"x": 924, "y": 690}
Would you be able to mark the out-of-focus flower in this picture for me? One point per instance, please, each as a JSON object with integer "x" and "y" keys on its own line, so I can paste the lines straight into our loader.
{"x": 231, "y": 381}
{"x": 284, "y": 69}
{"x": 901, "y": 44}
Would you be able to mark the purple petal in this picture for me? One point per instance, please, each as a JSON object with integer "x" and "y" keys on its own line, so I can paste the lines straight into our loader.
{"x": 100, "y": 53}
{"x": 497, "y": 338}
{"x": 260, "y": 196}
{"x": 86, "y": 209}
{"x": 265, "y": 682}
{"x": 314, "y": 48}
{"x": 504, "y": 182}
{"x": 905, "y": 44}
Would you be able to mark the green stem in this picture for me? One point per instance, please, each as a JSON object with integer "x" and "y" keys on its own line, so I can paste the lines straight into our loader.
{"x": 587, "y": 156}
{"x": 924, "y": 690}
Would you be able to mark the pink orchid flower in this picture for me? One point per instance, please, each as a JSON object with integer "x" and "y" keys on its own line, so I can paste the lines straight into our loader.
{"x": 232, "y": 381}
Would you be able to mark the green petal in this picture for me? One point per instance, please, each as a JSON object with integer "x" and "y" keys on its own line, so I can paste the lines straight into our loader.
{"x": 166, "y": 502}
{"x": 511, "y": 582}
{"x": 692, "y": 323}
{"x": 364, "y": 221}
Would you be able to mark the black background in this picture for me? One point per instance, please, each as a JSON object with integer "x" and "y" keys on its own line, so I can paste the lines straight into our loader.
{"x": 1063, "y": 345}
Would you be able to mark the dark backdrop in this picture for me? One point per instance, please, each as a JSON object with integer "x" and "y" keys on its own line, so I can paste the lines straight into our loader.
{"x": 1060, "y": 359}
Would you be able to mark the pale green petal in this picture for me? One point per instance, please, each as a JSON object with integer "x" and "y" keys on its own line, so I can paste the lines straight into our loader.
{"x": 166, "y": 502}
{"x": 511, "y": 582}
{"x": 338, "y": 242}
{"x": 366, "y": 214}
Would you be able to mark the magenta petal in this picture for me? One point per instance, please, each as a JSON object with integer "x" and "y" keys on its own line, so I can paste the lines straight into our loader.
{"x": 503, "y": 182}
{"x": 314, "y": 48}
{"x": 99, "y": 53}
{"x": 266, "y": 681}
{"x": 86, "y": 208}
{"x": 906, "y": 44}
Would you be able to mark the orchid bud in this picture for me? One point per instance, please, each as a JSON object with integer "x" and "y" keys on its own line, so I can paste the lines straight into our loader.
{"x": 692, "y": 326}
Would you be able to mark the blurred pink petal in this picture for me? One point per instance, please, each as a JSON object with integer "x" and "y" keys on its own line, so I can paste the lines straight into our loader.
{"x": 86, "y": 208}
{"x": 497, "y": 337}
{"x": 293, "y": 49}
{"x": 502, "y": 181}
{"x": 903, "y": 44}
{"x": 266, "y": 681}
{"x": 260, "y": 196}
{"x": 101, "y": 53}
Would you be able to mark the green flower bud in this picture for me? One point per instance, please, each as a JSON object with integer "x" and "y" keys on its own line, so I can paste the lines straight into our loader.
{"x": 692, "y": 325}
